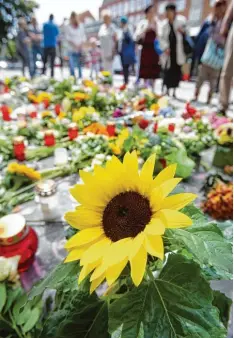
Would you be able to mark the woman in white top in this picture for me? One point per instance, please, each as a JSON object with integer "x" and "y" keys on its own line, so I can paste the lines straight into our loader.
{"x": 75, "y": 37}
{"x": 108, "y": 39}
{"x": 172, "y": 44}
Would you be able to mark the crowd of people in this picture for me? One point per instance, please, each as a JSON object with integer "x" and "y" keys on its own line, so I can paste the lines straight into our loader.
{"x": 155, "y": 49}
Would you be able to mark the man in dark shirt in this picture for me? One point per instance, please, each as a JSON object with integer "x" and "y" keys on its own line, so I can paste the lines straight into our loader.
{"x": 36, "y": 38}
{"x": 50, "y": 33}
{"x": 23, "y": 42}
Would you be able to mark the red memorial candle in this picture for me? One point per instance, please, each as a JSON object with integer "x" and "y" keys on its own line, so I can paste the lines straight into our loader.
{"x": 19, "y": 148}
{"x": 110, "y": 128}
{"x": 72, "y": 131}
{"x": 17, "y": 239}
{"x": 49, "y": 138}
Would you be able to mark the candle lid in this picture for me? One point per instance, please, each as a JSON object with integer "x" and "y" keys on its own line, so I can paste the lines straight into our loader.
{"x": 11, "y": 225}
{"x": 46, "y": 188}
{"x": 49, "y": 132}
{"x": 18, "y": 139}
{"x": 72, "y": 125}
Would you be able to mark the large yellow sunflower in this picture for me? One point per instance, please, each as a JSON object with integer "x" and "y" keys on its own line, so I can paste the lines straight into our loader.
{"x": 122, "y": 217}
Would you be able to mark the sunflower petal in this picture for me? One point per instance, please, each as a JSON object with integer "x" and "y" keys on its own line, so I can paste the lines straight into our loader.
{"x": 169, "y": 186}
{"x": 113, "y": 272}
{"x": 138, "y": 264}
{"x": 178, "y": 201}
{"x": 95, "y": 251}
{"x": 130, "y": 163}
{"x": 164, "y": 175}
{"x": 154, "y": 246}
{"x": 156, "y": 198}
{"x": 95, "y": 284}
{"x": 155, "y": 227}
{"x": 75, "y": 254}
{"x": 82, "y": 194}
{"x": 148, "y": 169}
{"x": 101, "y": 269}
{"x": 117, "y": 252}
{"x": 82, "y": 218}
{"x": 86, "y": 177}
{"x": 136, "y": 244}
{"x": 146, "y": 175}
{"x": 83, "y": 237}
{"x": 174, "y": 219}
{"x": 85, "y": 271}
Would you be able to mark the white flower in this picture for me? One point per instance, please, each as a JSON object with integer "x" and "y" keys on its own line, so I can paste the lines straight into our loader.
{"x": 100, "y": 157}
{"x": 9, "y": 268}
{"x": 96, "y": 162}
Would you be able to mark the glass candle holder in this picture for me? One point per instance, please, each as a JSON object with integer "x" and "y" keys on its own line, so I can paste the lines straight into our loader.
{"x": 171, "y": 127}
{"x": 33, "y": 114}
{"x": 19, "y": 148}
{"x": 47, "y": 197}
{"x": 5, "y": 113}
{"x": 18, "y": 239}
{"x": 49, "y": 138}
{"x": 60, "y": 156}
{"x": 72, "y": 131}
{"x": 110, "y": 128}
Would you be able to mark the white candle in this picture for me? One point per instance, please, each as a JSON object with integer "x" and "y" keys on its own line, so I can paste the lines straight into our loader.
{"x": 11, "y": 225}
{"x": 60, "y": 156}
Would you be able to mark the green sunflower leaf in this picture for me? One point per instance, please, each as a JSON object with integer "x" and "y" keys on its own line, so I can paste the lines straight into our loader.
{"x": 84, "y": 316}
{"x": 207, "y": 245}
{"x": 178, "y": 304}
{"x": 56, "y": 278}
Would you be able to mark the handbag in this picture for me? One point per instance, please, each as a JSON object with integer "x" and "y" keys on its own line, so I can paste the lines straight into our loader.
{"x": 188, "y": 45}
{"x": 213, "y": 55}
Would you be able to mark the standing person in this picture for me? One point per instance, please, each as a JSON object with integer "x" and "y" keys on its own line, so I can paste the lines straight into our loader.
{"x": 108, "y": 38}
{"x": 50, "y": 34}
{"x": 200, "y": 44}
{"x": 227, "y": 71}
{"x": 146, "y": 33}
{"x": 172, "y": 37}
{"x": 23, "y": 42}
{"x": 75, "y": 37}
{"x": 126, "y": 48}
{"x": 95, "y": 57}
{"x": 61, "y": 41}
{"x": 36, "y": 38}
{"x": 213, "y": 56}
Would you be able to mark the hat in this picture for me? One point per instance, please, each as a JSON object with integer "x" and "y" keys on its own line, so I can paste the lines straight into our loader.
{"x": 124, "y": 19}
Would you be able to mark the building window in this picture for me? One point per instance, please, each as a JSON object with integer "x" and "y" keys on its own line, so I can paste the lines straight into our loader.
{"x": 195, "y": 13}
{"x": 181, "y": 5}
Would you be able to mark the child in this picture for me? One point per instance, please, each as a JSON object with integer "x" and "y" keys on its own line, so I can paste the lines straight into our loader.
{"x": 95, "y": 56}
{"x": 213, "y": 57}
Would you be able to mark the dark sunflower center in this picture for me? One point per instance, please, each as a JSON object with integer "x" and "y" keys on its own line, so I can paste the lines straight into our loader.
{"x": 126, "y": 215}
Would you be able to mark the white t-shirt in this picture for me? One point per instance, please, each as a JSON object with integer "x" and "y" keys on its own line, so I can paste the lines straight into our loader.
{"x": 106, "y": 35}
{"x": 75, "y": 35}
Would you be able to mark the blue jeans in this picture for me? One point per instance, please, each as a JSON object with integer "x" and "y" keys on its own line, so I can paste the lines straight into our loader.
{"x": 75, "y": 61}
{"x": 35, "y": 51}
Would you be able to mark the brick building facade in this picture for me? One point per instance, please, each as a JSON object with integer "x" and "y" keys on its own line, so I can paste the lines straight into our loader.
{"x": 194, "y": 10}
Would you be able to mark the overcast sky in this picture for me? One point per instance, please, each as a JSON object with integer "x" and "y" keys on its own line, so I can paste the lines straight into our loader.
{"x": 63, "y": 8}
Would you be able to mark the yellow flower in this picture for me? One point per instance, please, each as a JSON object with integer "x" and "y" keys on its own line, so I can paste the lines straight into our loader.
{"x": 53, "y": 121}
{"x": 33, "y": 98}
{"x": 117, "y": 146}
{"x": 89, "y": 83}
{"x": 155, "y": 108}
{"x": 122, "y": 217}
{"x": 61, "y": 115}
{"x": 21, "y": 169}
{"x": 44, "y": 96}
{"x": 77, "y": 115}
{"x": 22, "y": 79}
{"x": 78, "y": 96}
{"x": 46, "y": 113}
{"x": 7, "y": 81}
{"x": 105, "y": 73}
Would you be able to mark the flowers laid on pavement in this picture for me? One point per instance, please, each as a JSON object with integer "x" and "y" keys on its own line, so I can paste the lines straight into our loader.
{"x": 125, "y": 219}
{"x": 21, "y": 169}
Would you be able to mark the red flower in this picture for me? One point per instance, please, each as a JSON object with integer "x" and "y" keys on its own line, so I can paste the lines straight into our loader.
{"x": 57, "y": 109}
{"x": 143, "y": 124}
